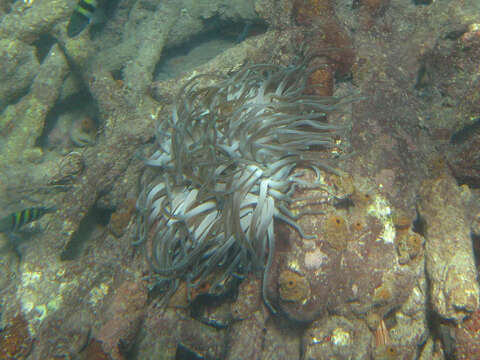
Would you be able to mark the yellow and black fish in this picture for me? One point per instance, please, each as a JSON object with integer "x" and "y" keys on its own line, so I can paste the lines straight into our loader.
{"x": 13, "y": 222}
{"x": 85, "y": 12}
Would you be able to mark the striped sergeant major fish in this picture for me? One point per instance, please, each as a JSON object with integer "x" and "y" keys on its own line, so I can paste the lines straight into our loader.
{"x": 85, "y": 12}
{"x": 13, "y": 222}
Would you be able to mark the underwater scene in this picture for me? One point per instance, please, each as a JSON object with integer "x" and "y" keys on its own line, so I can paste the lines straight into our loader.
{"x": 239, "y": 179}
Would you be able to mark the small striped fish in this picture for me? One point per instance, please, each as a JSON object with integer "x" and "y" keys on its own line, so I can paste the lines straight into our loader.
{"x": 85, "y": 12}
{"x": 13, "y": 222}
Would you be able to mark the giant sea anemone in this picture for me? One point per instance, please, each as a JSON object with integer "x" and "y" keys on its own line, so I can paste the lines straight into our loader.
{"x": 223, "y": 173}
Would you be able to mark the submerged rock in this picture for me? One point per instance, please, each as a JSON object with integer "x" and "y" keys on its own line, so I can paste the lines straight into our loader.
{"x": 351, "y": 267}
{"x": 19, "y": 68}
{"x": 450, "y": 265}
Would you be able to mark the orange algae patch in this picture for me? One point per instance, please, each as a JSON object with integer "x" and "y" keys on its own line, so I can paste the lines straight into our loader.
{"x": 293, "y": 287}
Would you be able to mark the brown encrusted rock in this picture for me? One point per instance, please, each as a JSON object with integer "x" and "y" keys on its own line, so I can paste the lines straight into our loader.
{"x": 350, "y": 267}
{"x": 450, "y": 266}
{"x": 124, "y": 316}
{"x": 68, "y": 334}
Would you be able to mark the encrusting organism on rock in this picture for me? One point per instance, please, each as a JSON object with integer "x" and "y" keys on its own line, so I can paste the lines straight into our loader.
{"x": 223, "y": 172}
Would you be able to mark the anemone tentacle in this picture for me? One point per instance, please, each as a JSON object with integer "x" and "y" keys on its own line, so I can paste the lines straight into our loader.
{"x": 224, "y": 172}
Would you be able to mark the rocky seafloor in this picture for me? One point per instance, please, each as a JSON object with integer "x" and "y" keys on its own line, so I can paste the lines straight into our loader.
{"x": 393, "y": 270}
